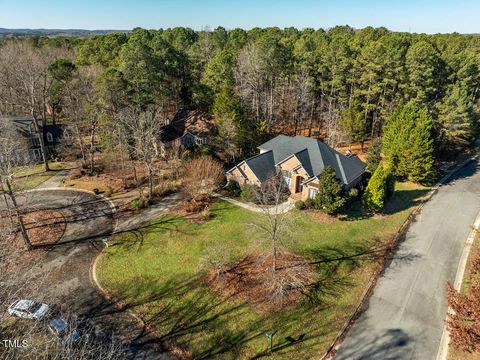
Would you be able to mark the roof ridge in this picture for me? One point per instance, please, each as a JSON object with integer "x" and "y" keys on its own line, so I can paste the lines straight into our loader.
{"x": 255, "y": 156}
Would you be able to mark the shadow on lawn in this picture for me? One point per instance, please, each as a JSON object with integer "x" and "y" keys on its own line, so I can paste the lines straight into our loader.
{"x": 334, "y": 264}
{"x": 402, "y": 200}
{"x": 185, "y": 311}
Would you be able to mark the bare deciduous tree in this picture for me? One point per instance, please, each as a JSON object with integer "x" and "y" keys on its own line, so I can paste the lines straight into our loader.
{"x": 144, "y": 128}
{"x": 23, "y": 83}
{"x": 13, "y": 154}
{"x": 275, "y": 223}
{"x": 202, "y": 176}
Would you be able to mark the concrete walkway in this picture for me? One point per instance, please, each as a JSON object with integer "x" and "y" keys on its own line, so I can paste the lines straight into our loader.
{"x": 406, "y": 313}
{"x": 282, "y": 208}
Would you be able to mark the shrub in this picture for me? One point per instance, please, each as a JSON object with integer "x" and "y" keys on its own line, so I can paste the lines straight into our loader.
{"x": 139, "y": 203}
{"x": 108, "y": 191}
{"x": 353, "y": 194}
{"x": 330, "y": 198}
{"x": 249, "y": 193}
{"x": 166, "y": 187}
{"x": 187, "y": 154}
{"x": 205, "y": 214}
{"x": 309, "y": 203}
{"x": 375, "y": 193}
{"x": 202, "y": 176}
{"x": 300, "y": 205}
{"x": 233, "y": 188}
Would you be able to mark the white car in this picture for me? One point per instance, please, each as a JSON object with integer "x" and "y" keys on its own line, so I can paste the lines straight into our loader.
{"x": 28, "y": 309}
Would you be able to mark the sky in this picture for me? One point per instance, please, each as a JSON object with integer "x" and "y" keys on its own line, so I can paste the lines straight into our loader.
{"x": 422, "y": 16}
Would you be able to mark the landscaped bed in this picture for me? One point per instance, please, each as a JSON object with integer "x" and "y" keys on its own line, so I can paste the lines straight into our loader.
{"x": 156, "y": 270}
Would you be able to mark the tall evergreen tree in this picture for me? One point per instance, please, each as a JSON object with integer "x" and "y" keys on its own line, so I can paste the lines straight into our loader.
{"x": 408, "y": 143}
{"x": 458, "y": 123}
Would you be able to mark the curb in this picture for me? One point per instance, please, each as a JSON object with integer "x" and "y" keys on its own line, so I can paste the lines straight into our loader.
{"x": 96, "y": 284}
{"x": 391, "y": 248}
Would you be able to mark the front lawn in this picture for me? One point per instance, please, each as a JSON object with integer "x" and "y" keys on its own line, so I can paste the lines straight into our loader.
{"x": 33, "y": 176}
{"x": 155, "y": 270}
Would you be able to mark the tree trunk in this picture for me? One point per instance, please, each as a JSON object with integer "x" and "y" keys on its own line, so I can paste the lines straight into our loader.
{"x": 92, "y": 147}
{"x": 150, "y": 180}
{"x": 80, "y": 144}
{"x": 9, "y": 210}
{"x": 41, "y": 140}
{"x": 274, "y": 255}
{"x": 21, "y": 224}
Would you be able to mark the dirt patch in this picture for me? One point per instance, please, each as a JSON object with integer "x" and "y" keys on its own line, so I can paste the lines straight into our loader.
{"x": 195, "y": 211}
{"x": 104, "y": 183}
{"x": 252, "y": 281}
{"x": 44, "y": 226}
{"x": 321, "y": 217}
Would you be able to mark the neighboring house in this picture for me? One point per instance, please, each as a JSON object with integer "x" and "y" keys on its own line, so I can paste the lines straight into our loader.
{"x": 188, "y": 128}
{"x": 51, "y": 135}
{"x": 300, "y": 160}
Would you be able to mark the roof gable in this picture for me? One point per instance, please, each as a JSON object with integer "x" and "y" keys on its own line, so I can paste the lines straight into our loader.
{"x": 314, "y": 156}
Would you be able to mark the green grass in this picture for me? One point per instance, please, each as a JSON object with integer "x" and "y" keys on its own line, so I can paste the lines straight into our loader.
{"x": 33, "y": 176}
{"x": 156, "y": 270}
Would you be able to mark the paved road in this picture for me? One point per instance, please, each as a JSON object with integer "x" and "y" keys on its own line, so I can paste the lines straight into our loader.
{"x": 60, "y": 274}
{"x": 405, "y": 315}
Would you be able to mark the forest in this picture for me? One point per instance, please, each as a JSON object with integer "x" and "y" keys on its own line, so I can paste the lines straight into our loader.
{"x": 342, "y": 85}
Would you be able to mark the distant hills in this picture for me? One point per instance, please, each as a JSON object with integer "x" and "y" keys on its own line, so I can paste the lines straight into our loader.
{"x": 55, "y": 32}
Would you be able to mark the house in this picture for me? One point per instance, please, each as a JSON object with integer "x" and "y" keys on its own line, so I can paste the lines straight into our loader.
{"x": 51, "y": 135}
{"x": 188, "y": 128}
{"x": 300, "y": 160}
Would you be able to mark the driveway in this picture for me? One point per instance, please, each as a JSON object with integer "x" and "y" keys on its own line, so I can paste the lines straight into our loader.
{"x": 405, "y": 315}
{"x": 60, "y": 274}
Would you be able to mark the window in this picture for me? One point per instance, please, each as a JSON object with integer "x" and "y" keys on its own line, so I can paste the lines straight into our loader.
{"x": 200, "y": 141}
{"x": 37, "y": 154}
{"x": 312, "y": 193}
{"x": 287, "y": 176}
{"x": 49, "y": 137}
{"x": 35, "y": 141}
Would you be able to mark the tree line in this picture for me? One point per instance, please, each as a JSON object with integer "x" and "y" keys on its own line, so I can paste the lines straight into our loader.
{"x": 343, "y": 85}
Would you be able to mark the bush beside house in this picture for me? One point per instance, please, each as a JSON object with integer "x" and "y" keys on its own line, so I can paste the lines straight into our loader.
{"x": 380, "y": 187}
{"x": 330, "y": 197}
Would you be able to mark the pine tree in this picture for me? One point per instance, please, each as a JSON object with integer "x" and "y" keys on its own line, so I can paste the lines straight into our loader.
{"x": 353, "y": 123}
{"x": 330, "y": 198}
{"x": 456, "y": 118}
{"x": 408, "y": 143}
{"x": 228, "y": 117}
{"x": 376, "y": 191}
{"x": 374, "y": 156}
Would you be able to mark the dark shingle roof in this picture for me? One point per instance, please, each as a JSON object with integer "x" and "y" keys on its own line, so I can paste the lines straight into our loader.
{"x": 314, "y": 156}
{"x": 262, "y": 165}
{"x": 195, "y": 122}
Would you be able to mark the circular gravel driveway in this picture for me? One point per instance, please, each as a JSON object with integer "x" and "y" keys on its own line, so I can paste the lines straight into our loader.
{"x": 60, "y": 273}
{"x": 87, "y": 216}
